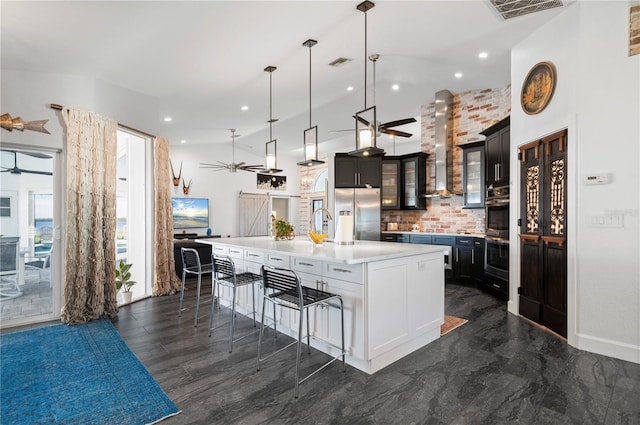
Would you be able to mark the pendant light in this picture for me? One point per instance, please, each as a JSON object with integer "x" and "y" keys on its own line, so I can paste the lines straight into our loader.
{"x": 310, "y": 140}
{"x": 271, "y": 147}
{"x": 366, "y": 120}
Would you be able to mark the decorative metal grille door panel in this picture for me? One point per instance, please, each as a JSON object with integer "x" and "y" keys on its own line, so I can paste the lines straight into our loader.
{"x": 543, "y": 260}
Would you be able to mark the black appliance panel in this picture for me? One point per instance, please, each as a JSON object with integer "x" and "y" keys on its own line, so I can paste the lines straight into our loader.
{"x": 496, "y": 257}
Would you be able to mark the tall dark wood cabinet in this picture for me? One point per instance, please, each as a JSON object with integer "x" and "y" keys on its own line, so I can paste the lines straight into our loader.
{"x": 543, "y": 242}
{"x": 354, "y": 172}
{"x": 497, "y": 153}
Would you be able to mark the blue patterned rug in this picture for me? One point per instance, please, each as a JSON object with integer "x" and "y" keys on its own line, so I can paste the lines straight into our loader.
{"x": 83, "y": 374}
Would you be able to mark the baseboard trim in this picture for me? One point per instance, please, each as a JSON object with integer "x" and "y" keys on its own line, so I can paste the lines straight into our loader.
{"x": 607, "y": 347}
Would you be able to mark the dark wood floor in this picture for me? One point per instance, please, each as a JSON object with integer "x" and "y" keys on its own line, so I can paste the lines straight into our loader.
{"x": 496, "y": 369}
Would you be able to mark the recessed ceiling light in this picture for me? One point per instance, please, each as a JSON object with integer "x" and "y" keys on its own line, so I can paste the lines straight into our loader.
{"x": 483, "y": 55}
{"x": 183, "y": 141}
{"x": 168, "y": 119}
{"x": 350, "y": 88}
{"x": 245, "y": 108}
{"x": 395, "y": 87}
{"x": 458, "y": 75}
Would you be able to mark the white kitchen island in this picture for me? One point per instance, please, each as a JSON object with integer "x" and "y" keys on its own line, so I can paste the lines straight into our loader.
{"x": 393, "y": 293}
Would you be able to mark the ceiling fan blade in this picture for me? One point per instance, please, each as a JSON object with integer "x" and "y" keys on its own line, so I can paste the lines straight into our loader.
{"x": 398, "y": 122}
{"x": 240, "y": 164}
{"x": 42, "y": 173}
{"x": 395, "y": 132}
{"x": 212, "y": 166}
{"x": 362, "y": 120}
{"x": 341, "y": 131}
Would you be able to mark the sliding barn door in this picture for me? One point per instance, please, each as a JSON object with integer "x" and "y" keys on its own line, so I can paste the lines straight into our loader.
{"x": 543, "y": 253}
{"x": 255, "y": 217}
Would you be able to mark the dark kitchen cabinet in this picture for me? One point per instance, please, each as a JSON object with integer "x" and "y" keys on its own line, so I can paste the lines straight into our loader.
{"x": 473, "y": 175}
{"x": 468, "y": 260}
{"x": 497, "y": 148}
{"x": 414, "y": 182}
{"x": 391, "y": 183}
{"x": 353, "y": 172}
{"x": 496, "y": 286}
{"x": 478, "y": 263}
{"x": 389, "y": 237}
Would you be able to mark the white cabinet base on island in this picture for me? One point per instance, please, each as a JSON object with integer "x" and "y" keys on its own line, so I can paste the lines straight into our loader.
{"x": 393, "y": 294}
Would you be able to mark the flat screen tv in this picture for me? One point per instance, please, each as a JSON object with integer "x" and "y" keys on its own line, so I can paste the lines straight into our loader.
{"x": 190, "y": 213}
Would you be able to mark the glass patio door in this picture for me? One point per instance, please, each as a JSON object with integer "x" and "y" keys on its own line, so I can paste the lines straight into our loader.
{"x": 30, "y": 245}
{"x": 134, "y": 195}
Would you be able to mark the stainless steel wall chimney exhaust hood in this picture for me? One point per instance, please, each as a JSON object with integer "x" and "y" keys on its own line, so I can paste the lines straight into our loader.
{"x": 444, "y": 145}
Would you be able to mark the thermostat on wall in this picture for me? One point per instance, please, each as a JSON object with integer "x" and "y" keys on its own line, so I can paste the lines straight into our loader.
{"x": 603, "y": 178}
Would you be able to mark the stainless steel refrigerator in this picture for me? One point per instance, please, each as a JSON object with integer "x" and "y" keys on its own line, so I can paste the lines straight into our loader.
{"x": 364, "y": 205}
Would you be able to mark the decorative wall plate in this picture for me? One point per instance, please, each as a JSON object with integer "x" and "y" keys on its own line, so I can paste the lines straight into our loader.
{"x": 538, "y": 88}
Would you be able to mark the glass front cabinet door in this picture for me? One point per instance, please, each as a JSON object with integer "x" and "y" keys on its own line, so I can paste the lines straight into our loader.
{"x": 391, "y": 184}
{"x": 414, "y": 181}
{"x": 473, "y": 179}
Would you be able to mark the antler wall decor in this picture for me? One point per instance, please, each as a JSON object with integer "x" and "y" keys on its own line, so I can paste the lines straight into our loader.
{"x": 186, "y": 188}
{"x": 11, "y": 124}
{"x": 176, "y": 180}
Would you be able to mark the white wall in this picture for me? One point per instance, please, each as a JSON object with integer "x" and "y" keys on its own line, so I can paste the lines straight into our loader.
{"x": 597, "y": 98}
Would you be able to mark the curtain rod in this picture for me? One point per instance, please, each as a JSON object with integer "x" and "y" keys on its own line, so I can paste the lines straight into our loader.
{"x": 126, "y": 127}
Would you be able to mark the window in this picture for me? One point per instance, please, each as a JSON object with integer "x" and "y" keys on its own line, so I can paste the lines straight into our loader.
{"x": 5, "y": 206}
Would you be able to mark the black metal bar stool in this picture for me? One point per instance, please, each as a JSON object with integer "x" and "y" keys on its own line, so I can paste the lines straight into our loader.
{"x": 192, "y": 265}
{"x": 283, "y": 287}
{"x": 224, "y": 273}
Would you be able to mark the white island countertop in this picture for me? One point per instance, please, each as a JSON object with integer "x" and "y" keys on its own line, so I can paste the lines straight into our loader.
{"x": 301, "y": 246}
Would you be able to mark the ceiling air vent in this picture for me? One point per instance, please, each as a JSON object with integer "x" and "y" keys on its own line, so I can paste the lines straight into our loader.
{"x": 339, "y": 61}
{"x": 513, "y": 8}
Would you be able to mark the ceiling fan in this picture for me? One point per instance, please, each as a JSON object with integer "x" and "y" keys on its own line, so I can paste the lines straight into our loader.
{"x": 386, "y": 127}
{"x": 233, "y": 166}
{"x": 17, "y": 170}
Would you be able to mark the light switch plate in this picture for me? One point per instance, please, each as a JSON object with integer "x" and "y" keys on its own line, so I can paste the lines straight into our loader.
{"x": 594, "y": 179}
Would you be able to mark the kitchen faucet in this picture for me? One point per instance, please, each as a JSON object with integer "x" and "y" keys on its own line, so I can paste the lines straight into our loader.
{"x": 313, "y": 217}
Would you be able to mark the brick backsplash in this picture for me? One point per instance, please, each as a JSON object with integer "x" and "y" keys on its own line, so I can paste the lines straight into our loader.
{"x": 473, "y": 111}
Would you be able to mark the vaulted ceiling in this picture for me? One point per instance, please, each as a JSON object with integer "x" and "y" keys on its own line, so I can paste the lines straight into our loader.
{"x": 204, "y": 60}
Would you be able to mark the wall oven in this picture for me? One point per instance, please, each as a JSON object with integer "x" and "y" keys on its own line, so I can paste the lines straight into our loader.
{"x": 496, "y": 261}
{"x": 497, "y": 212}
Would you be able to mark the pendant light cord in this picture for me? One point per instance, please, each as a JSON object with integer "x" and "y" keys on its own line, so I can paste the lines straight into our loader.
{"x": 270, "y": 106}
{"x": 310, "y": 86}
{"x": 365, "y": 60}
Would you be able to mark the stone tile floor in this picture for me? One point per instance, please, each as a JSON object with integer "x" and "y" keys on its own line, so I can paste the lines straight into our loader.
{"x": 496, "y": 369}
{"x": 36, "y": 298}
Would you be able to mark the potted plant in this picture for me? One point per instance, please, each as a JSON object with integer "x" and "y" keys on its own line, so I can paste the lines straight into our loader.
{"x": 123, "y": 280}
{"x": 282, "y": 229}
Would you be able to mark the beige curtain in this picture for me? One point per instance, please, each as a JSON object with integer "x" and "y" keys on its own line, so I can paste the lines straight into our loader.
{"x": 165, "y": 281}
{"x": 89, "y": 288}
